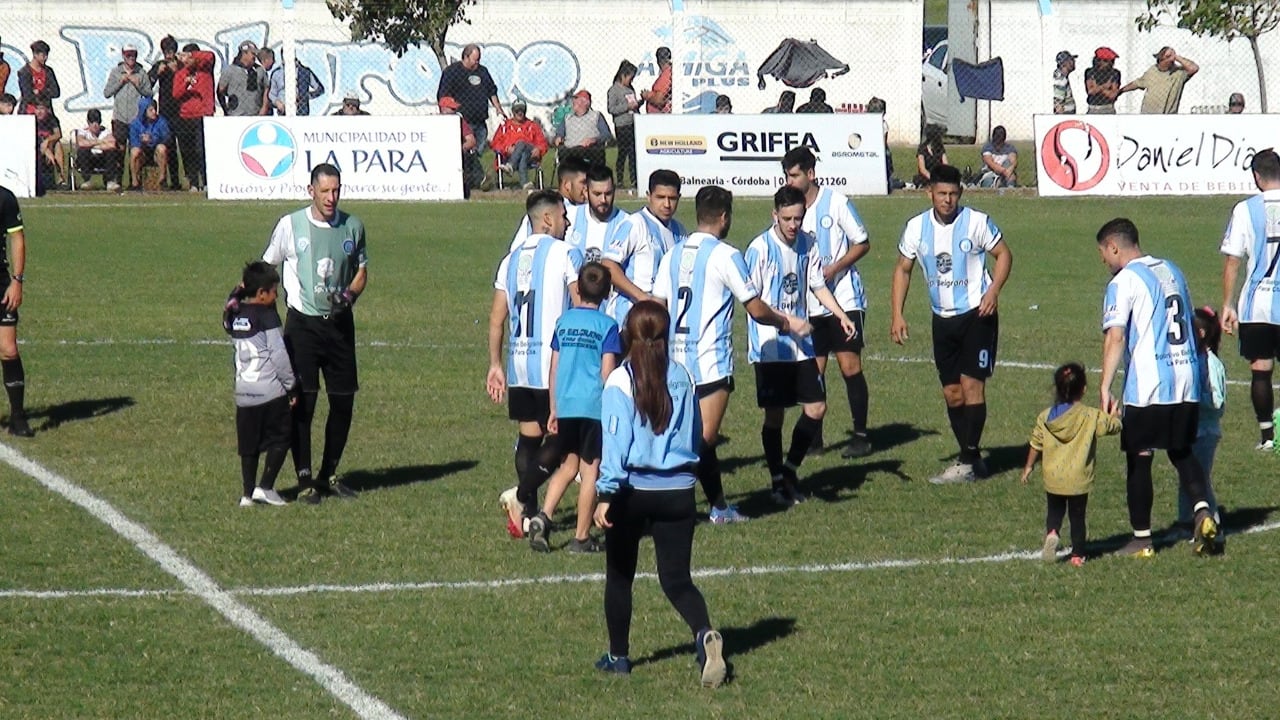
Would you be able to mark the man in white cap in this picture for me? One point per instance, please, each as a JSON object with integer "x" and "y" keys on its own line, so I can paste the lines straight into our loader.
{"x": 351, "y": 105}
{"x": 1064, "y": 102}
{"x": 127, "y": 83}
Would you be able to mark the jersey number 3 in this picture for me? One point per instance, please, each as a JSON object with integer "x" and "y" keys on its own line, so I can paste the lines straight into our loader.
{"x": 1177, "y": 333}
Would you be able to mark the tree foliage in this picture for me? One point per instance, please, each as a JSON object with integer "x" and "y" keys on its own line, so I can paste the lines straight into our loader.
{"x": 1226, "y": 19}
{"x": 401, "y": 23}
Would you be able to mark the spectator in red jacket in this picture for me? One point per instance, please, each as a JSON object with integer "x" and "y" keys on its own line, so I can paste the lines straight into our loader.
{"x": 193, "y": 91}
{"x": 521, "y": 141}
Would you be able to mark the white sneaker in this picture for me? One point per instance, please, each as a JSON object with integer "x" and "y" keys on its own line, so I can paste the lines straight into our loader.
{"x": 1265, "y": 446}
{"x": 957, "y": 473}
{"x": 246, "y": 501}
{"x": 270, "y": 497}
{"x": 113, "y": 186}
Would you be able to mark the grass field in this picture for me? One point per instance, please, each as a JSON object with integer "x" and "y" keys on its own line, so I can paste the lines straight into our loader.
{"x": 885, "y": 597}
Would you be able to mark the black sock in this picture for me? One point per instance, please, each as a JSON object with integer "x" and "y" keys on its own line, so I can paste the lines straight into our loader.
{"x": 528, "y": 473}
{"x": 956, "y": 416}
{"x": 549, "y": 456}
{"x": 855, "y": 386}
{"x": 248, "y": 473}
{"x": 15, "y": 385}
{"x": 336, "y": 429}
{"x": 271, "y": 468}
{"x": 1259, "y": 393}
{"x": 802, "y": 437}
{"x": 771, "y": 440}
{"x": 303, "y": 412}
{"x": 1139, "y": 491}
{"x": 709, "y": 475}
{"x": 975, "y": 421}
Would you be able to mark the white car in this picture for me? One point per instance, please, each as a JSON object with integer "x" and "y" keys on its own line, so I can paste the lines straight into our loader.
{"x": 934, "y": 84}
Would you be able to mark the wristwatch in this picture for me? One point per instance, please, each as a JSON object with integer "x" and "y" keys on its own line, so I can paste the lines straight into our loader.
{"x": 20, "y": 277}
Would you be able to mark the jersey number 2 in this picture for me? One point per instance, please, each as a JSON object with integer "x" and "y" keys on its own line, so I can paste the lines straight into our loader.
{"x": 684, "y": 298}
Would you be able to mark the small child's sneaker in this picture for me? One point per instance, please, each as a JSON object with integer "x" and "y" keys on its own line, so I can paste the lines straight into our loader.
{"x": 615, "y": 665}
{"x": 1049, "y": 553}
{"x": 1077, "y": 561}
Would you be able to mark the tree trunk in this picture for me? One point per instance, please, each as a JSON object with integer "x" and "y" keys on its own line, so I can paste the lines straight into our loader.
{"x": 1262, "y": 78}
{"x": 437, "y": 46}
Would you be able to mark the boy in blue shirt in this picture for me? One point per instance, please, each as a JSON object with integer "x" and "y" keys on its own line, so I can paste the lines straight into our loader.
{"x": 584, "y": 349}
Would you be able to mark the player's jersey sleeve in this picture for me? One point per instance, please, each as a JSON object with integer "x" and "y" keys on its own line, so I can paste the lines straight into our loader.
{"x": 1239, "y": 235}
{"x": 1118, "y": 303}
{"x": 909, "y": 244}
{"x": 555, "y": 335}
{"x": 741, "y": 276}
{"x": 522, "y": 234}
{"x": 281, "y": 243}
{"x": 10, "y": 214}
{"x": 986, "y": 235}
{"x": 813, "y": 269}
{"x": 620, "y": 245}
{"x": 662, "y": 283}
{"x": 851, "y": 224}
{"x": 362, "y": 251}
{"x": 612, "y": 341}
{"x": 572, "y": 265}
{"x": 500, "y": 279}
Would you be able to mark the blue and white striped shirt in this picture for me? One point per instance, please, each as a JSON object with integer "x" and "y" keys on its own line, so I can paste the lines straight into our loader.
{"x": 638, "y": 247}
{"x": 1254, "y": 234}
{"x": 835, "y": 226}
{"x": 1149, "y": 299}
{"x": 953, "y": 257}
{"x": 535, "y": 277}
{"x": 784, "y": 274}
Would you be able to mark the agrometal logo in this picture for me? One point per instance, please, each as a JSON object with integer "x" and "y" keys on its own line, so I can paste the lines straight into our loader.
{"x": 1075, "y": 155}
{"x": 267, "y": 149}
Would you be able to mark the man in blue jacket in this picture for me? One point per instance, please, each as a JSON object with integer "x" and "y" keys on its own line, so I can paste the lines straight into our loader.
{"x": 149, "y": 138}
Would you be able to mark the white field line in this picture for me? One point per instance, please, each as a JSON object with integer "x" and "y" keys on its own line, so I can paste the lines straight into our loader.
{"x": 426, "y": 586}
{"x": 204, "y": 587}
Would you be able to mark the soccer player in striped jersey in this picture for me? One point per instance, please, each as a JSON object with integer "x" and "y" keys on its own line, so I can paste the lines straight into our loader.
{"x": 601, "y": 220}
{"x": 534, "y": 285}
{"x": 571, "y": 177}
{"x": 11, "y": 277}
{"x": 633, "y": 254}
{"x": 952, "y": 243}
{"x": 785, "y": 265}
{"x": 1253, "y": 234}
{"x": 699, "y": 280}
{"x": 1147, "y": 317}
{"x": 841, "y": 241}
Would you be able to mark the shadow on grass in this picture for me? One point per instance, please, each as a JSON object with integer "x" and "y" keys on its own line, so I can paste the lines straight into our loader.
{"x": 1233, "y": 522}
{"x": 377, "y": 479}
{"x": 56, "y": 415}
{"x": 892, "y": 435}
{"x": 1005, "y": 458}
{"x": 737, "y": 640}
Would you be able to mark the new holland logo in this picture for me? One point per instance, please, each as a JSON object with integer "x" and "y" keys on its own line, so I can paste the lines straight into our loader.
{"x": 267, "y": 149}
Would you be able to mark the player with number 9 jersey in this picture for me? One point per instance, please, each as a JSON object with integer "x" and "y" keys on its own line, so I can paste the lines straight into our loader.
{"x": 700, "y": 280}
{"x": 535, "y": 278}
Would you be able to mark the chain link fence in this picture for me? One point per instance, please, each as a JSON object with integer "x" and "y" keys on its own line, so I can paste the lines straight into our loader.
{"x": 543, "y": 51}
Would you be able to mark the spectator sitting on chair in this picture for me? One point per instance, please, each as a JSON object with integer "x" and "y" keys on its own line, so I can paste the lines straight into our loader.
{"x": 724, "y": 106}
{"x": 351, "y": 105}
{"x": 584, "y": 132}
{"x": 472, "y": 174}
{"x": 929, "y": 155}
{"x": 8, "y": 104}
{"x": 817, "y": 103}
{"x": 149, "y": 139}
{"x": 36, "y": 80}
{"x": 521, "y": 141}
{"x": 786, "y": 103}
{"x": 127, "y": 83}
{"x": 49, "y": 157}
{"x": 1235, "y": 104}
{"x": 1001, "y": 160}
{"x": 97, "y": 152}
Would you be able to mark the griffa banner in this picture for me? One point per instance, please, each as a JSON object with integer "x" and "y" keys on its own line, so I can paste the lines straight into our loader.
{"x": 1150, "y": 154}
{"x": 743, "y": 153}
{"x": 381, "y": 158}
{"x": 18, "y": 154}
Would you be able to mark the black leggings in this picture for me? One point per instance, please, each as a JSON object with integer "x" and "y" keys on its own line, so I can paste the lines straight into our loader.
{"x": 1068, "y": 505}
{"x": 626, "y": 156}
{"x": 668, "y": 515}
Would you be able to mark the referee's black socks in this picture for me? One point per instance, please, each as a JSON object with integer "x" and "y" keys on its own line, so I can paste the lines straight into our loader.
{"x": 15, "y": 385}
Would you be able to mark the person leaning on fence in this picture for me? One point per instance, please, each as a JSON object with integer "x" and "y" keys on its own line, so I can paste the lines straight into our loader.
{"x": 1102, "y": 82}
{"x": 622, "y": 104}
{"x": 1064, "y": 102}
{"x": 161, "y": 74}
{"x": 583, "y": 132}
{"x": 194, "y": 91}
{"x": 36, "y": 80}
{"x": 1162, "y": 83}
{"x": 97, "y": 152}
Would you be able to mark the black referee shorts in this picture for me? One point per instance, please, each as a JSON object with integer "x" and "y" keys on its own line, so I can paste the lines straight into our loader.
{"x": 323, "y": 345}
{"x": 965, "y": 345}
{"x": 8, "y": 318}
{"x": 260, "y": 428}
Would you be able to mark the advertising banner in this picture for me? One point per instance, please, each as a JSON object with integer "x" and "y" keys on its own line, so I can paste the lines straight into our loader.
{"x": 381, "y": 158}
{"x": 18, "y": 154}
{"x": 1138, "y": 155}
{"x": 743, "y": 153}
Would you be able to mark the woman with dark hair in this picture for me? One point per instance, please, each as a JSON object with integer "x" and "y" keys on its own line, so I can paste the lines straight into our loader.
{"x": 623, "y": 105}
{"x": 929, "y": 155}
{"x": 786, "y": 103}
{"x": 652, "y": 430}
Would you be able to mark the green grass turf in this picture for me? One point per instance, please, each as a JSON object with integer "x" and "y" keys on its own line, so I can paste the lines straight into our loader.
{"x": 130, "y": 381}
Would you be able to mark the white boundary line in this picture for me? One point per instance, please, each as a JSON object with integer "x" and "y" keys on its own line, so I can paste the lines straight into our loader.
{"x": 387, "y": 587}
{"x": 205, "y": 588}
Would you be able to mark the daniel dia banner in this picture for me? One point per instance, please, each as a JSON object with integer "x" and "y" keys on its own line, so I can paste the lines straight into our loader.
{"x": 743, "y": 153}
{"x": 1150, "y": 154}
{"x": 381, "y": 158}
{"x": 18, "y": 153}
